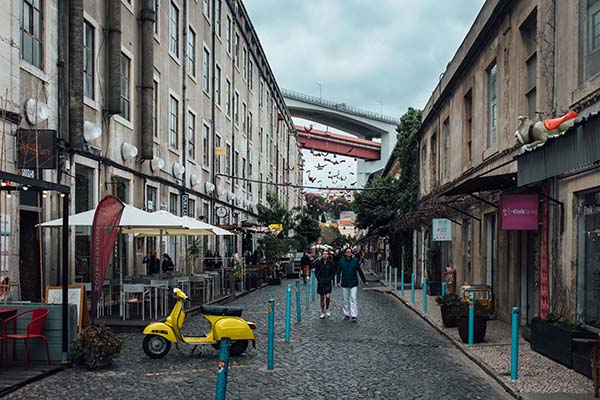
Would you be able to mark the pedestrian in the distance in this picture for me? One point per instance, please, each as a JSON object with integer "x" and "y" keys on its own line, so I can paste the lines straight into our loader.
{"x": 347, "y": 279}
{"x": 305, "y": 264}
{"x": 167, "y": 264}
{"x": 324, "y": 272}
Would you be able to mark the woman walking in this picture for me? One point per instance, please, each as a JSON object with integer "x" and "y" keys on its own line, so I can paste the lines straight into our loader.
{"x": 324, "y": 272}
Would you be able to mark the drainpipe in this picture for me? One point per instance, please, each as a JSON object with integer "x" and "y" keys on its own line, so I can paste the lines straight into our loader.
{"x": 76, "y": 74}
{"x": 113, "y": 25}
{"x": 213, "y": 125}
{"x": 147, "y": 18}
{"x": 184, "y": 70}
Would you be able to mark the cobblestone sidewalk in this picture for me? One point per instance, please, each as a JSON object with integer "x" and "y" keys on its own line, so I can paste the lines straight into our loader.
{"x": 538, "y": 375}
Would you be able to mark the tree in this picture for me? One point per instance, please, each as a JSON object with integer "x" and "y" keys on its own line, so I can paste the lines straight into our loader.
{"x": 336, "y": 205}
{"x": 315, "y": 205}
{"x": 377, "y": 206}
{"x": 330, "y": 234}
{"x": 307, "y": 230}
{"x": 275, "y": 213}
{"x": 407, "y": 152}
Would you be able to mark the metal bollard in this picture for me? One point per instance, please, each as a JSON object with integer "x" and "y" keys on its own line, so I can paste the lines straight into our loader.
{"x": 298, "y": 306}
{"x": 395, "y": 279}
{"x": 471, "y": 319}
{"x": 307, "y": 289}
{"x": 221, "y": 392}
{"x": 288, "y": 311}
{"x": 514, "y": 354}
{"x": 402, "y": 283}
{"x": 271, "y": 339}
{"x": 412, "y": 288}
{"x": 312, "y": 284}
{"x": 443, "y": 289}
{"x": 425, "y": 295}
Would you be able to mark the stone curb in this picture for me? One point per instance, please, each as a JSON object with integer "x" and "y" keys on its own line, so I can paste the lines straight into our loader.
{"x": 481, "y": 364}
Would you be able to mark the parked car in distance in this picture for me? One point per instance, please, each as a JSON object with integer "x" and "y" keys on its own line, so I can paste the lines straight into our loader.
{"x": 292, "y": 267}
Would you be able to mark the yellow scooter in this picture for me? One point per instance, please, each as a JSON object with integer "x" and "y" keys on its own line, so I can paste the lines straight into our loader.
{"x": 225, "y": 322}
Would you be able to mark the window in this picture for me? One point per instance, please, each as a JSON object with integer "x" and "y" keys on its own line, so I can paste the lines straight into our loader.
{"x": 260, "y": 187}
{"x": 590, "y": 29}
{"x": 206, "y": 214}
{"x": 237, "y": 50}
{"x": 156, "y": 17}
{"x": 529, "y": 35}
{"x": 228, "y": 34}
{"x": 261, "y": 88}
{"x": 244, "y": 118}
{"x": 206, "y": 70}
{"x": 260, "y": 142}
{"x": 205, "y": 145}
{"x": 191, "y": 53}
{"x": 250, "y": 74}
{"x": 218, "y": 17}
{"x": 88, "y": 60}
{"x": 248, "y": 182}
{"x": 424, "y": 164}
{"x": 206, "y": 8}
{"x": 249, "y": 124}
{"x": 589, "y": 228}
{"x": 433, "y": 158}
{"x": 191, "y": 135}
{"x": 228, "y": 160}
{"x": 151, "y": 198}
{"x": 219, "y": 166}
{"x": 228, "y": 97}
{"x": 174, "y": 30}
{"x": 492, "y": 106}
{"x": 173, "y": 122}
{"x": 125, "y": 79}
{"x": 192, "y": 208}
{"x": 446, "y": 129}
{"x": 236, "y": 162}
{"x": 155, "y": 109}
{"x": 236, "y": 109}
{"x": 173, "y": 203}
{"x": 469, "y": 126}
{"x": 218, "y": 85}
{"x": 245, "y": 63}
{"x": 243, "y": 169}
{"x": 31, "y": 32}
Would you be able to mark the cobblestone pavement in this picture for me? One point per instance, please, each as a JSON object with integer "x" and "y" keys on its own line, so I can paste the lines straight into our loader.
{"x": 389, "y": 354}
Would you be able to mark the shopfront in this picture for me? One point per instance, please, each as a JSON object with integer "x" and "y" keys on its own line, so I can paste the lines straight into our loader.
{"x": 589, "y": 255}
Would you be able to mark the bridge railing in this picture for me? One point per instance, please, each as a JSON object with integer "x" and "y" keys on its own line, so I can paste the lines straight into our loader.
{"x": 339, "y": 106}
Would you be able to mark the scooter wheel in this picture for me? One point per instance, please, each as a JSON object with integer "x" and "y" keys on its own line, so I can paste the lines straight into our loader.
{"x": 156, "y": 346}
{"x": 236, "y": 348}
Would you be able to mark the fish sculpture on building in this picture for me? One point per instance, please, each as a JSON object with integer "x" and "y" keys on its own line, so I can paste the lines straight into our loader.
{"x": 534, "y": 134}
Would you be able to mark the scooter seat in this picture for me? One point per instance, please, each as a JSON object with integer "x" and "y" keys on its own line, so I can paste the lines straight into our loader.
{"x": 221, "y": 310}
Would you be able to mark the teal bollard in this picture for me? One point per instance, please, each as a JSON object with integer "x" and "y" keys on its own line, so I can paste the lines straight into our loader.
{"x": 312, "y": 284}
{"x": 412, "y": 288}
{"x": 298, "y": 306}
{"x": 271, "y": 331}
{"x": 471, "y": 319}
{"x": 288, "y": 311}
{"x": 443, "y": 289}
{"x": 425, "y": 295}
{"x": 222, "y": 371}
{"x": 395, "y": 279}
{"x": 402, "y": 282}
{"x": 307, "y": 289}
{"x": 514, "y": 354}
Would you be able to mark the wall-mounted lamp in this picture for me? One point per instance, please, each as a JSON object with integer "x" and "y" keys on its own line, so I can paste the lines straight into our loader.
{"x": 157, "y": 164}
{"x": 178, "y": 170}
{"x": 128, "y": 151}
{"x": 91, "y": 131}
{"x": 36, "y": 111}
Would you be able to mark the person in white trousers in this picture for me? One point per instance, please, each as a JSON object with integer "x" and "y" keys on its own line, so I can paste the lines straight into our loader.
{"x": 347, "y": 279}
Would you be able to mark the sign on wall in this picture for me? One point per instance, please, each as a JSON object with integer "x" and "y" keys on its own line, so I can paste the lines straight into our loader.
{"x": 185, "y": 199}
{"x": 36, "y": 148}
{"x": 519, "y": 212}
{"x": 220, "y": 151}
{"x": 442, "y": 230}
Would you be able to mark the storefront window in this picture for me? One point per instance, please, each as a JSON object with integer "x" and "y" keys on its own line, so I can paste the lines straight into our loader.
{"x": 84, "y": 201}
{"x": 589, "y": 248}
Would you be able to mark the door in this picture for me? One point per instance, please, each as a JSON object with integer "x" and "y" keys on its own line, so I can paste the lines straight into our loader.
{"x": 490, "y": 245}
{"x": 527, "y": 260}
{"x": 29, "y": 256}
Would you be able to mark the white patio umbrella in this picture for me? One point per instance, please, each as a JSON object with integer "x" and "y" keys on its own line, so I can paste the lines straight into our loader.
{"x": 190, "y": 227}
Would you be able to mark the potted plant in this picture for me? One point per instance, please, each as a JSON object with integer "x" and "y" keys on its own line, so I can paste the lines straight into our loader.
{"x": 96, "y": 347}
{"x": 449, "y": 307}
{"x": 553, "y": 338}
{"x": 238, "y": 274}
{"x": 461, "y": 313}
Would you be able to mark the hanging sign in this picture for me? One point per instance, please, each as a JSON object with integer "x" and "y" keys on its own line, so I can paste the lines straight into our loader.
{"x": 276, "y": 227}
{"x": 519, "y": 212}
{"x": 442, "y": 230}
{"x": 185, "y": 199}
{"x": 36, "y": 148}
{"x": 220, "y": 151}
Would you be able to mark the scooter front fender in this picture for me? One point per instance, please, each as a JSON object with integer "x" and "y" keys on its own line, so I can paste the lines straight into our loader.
{"x": 233, "y": 328}
{"x": 161, "y": 329}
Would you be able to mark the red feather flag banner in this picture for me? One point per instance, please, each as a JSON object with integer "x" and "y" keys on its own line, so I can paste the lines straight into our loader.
{"x": 104, "y": 232}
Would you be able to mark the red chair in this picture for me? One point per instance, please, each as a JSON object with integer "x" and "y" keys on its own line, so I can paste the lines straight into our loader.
{"x": 34, "y": 331}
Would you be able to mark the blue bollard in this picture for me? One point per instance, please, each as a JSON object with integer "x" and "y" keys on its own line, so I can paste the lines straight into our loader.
{"x": 471, "y": 319}
{"x": 312, "y": 284}
{"x": 402, "y": 282}
{"x": 514, "y": 354}
{"x": 221, "y": 392}
{"x": 425, "y": 295}
{"x": 271, "y": 340}
{"x": 307, "y": 288}
{"x": 443, "y": 289}
{"x": 298, "y": 306}
{"x": 395, "y": 279}
{"x": 412, "y": 288}
{"x": 288, "y": 312}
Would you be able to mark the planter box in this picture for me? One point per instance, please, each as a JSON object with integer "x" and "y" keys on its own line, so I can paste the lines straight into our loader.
{"x": 434, "y": 288}
{"x": 449, "y": 320}
{"x": 480, "y": 327}
{"x": 582, "y": 363}
{"x": 556, "y": 342}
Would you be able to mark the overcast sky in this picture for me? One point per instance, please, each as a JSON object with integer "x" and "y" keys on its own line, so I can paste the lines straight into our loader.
{"x": 380, "y": 55}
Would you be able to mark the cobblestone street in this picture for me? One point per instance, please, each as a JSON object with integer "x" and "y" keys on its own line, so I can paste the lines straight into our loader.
{"x": 389, "y": 354}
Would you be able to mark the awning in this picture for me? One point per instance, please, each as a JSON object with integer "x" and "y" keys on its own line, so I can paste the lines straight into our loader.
{"x": 485, "y": 183}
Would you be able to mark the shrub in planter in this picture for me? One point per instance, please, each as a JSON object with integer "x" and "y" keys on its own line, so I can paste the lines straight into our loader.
{"x": 554, "y": 338}
{"x": 96, "y": 346}
{"x": 480, "y": 323}
{"x": 449, "y": 307}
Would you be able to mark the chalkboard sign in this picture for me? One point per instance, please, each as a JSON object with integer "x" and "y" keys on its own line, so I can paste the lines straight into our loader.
{"x": 76, "y": 297}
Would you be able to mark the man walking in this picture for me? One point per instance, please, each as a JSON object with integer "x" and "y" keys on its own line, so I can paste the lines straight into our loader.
{"x": 324, "y": 272}
{"x": 348, "y": 281}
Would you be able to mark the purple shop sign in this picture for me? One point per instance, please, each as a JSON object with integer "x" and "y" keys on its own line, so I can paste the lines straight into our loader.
{"x": 519, "y": 212}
